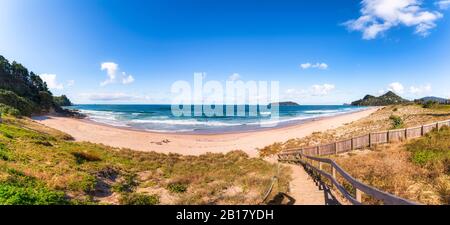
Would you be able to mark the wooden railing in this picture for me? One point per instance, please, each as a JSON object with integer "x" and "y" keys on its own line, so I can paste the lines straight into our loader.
{"x": 308, "y": 157}
{"x": 356, "y": 199}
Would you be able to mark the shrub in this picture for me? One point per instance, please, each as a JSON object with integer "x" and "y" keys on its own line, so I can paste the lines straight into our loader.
{"x": 82, "y": 157}
{"x": 397, "y": 122}
{"x": 25, "y": 106}
{"x": 4, "y": 152}
{"x": 177, "y": 187}
{"x": 127, "y": 184}
{"x": 19, "y": 189}
{"x": 8, "y": 110}
{"x": 16, "y": 195}
{"x": 139, "y": 199}
{"x": 431, "y": 149}
{"x": 62, "y": 100}
{"x": 430, "y": 104}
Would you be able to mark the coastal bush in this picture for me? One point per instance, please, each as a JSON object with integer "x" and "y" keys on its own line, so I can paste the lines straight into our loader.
{"x": 19, "y": 189}
{"x": 5, "y": 154}
{"x": 430, "y": 104}
{"x": 62, "y": 100}
{"x": 139, "y": 199}
{"x": 8, "y": 110}
{"x": 11, "y": 99}
{"x": 177, "y": 187}
{"x": 127, "y": 184}
{"x": 433, "y": 149}
{"x": 397, "y": 122}
{"x": 82, "y": 157}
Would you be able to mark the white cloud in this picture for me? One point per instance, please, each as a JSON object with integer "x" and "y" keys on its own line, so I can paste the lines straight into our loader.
{"x": 314, "y": 91}
{"x": 381, "y": 15}
{"x": 70, "y": 83}
{"x": 234, "y": 77}
{"x": 51, "y": 81}
{"x": 321, "y": 66}
{"x": 110, "y": 97}
{"x": 305, "y": 66}
{"x": 396, "y": 87}
{"x": 443, "y": 4}
{"x": 127, "y": 79}
{"x": 112, "y": 69}
{"x": 420, "y": 90}
{"x": 321, "y": 90}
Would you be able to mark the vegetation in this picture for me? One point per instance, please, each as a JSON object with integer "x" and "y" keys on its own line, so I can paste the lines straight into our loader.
{"x": 417, "y": 170}
{"x": 177, "y": 187}
{"x": 432, "y": 151}
{"x": 432, "y": 99}
{"x": 139, "y": 199}
{"x": 430, "y": 104}
{"x": 24, "y": 92}
{"x": 13, "y": 103}
{"x": 397, "y": 122}
{"x": 390, "y": 98}
{"x": 62, "y": 100}
{"x": 8, "y": 110}
{"x": 285, "y": 104}
{"x": 39, "y": 165}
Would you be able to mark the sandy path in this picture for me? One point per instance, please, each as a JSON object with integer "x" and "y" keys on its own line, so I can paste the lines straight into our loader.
{"x": 303, "y": 189}
{"x": 249, "y": 142}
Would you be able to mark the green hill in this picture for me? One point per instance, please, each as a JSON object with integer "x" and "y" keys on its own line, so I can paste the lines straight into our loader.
{"x": 23, "y": 91}
{"x": 390, "y": 98}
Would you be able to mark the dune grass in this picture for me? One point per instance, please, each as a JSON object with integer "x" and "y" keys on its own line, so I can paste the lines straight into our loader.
{"x": 39, "y": 165}
{"x": 417, "y": 170}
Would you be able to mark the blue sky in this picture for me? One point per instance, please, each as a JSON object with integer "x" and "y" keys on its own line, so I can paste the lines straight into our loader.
{"x": 321, "y": 52}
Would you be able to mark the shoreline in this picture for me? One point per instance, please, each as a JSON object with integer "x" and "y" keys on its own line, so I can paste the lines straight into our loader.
{"x": 194, "y": 144}
{"x": 280, "y": 125}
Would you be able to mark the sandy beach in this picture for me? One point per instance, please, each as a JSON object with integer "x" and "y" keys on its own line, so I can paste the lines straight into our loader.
{"x": 193, "y": 144}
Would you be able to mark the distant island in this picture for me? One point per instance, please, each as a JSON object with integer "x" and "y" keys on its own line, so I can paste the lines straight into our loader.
{"x": 389, "y": 98}
{"x": 285, "y": 104}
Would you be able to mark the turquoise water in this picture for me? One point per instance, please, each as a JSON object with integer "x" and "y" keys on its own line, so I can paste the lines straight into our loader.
{"x": 159, "y": 118}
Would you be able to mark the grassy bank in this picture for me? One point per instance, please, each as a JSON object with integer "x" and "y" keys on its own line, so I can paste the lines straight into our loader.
{"x": 39, "y": 165}
{"x": 418, "y": 170}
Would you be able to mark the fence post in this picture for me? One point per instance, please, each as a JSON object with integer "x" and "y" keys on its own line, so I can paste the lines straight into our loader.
{"x": 370, "y": 140}
{"x": 437, "y": 125}
{"x": 422, "y": 131}
{"x": 333, "y": 173}
{"x": 406, "y": 133}
{"x": 358, "y": 195}
{"x": 335, "y": 148}
{"x": 388, "y": 137}
{"x": 353, "y": 145}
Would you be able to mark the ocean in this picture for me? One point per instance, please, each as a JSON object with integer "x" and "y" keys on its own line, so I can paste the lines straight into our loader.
{"x": 159, "y": 118}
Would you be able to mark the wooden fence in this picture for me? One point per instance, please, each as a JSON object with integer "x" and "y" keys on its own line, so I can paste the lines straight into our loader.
{"x": 368, "y": 140}
{"x": 360, "y": 188}
{"x": 307, "y": 158}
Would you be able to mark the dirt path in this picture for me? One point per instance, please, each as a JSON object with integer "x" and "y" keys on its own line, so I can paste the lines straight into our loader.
{"x": 304, "y": 190}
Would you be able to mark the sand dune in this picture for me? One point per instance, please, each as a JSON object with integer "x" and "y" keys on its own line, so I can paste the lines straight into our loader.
{"x": 192, "y": 144}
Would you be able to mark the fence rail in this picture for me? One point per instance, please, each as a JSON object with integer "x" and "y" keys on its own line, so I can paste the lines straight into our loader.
{"x": 368, "y": 140}
{"x": 307, "y": 156}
